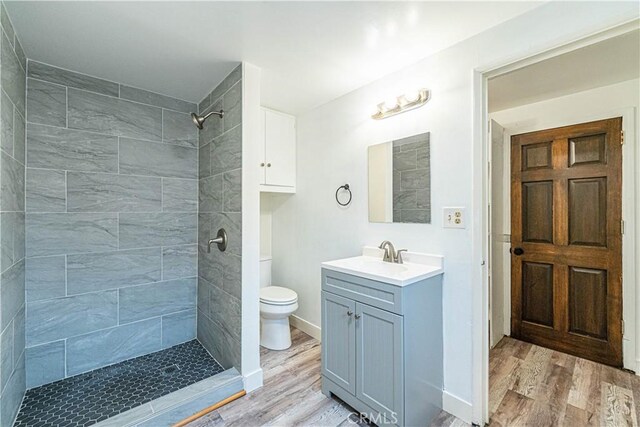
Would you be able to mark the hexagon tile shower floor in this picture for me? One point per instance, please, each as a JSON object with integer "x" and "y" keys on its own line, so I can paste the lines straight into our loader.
{"x": 88, "y": 398}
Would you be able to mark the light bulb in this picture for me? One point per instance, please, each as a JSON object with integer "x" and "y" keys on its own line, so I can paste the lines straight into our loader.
{"x": 391, "y": 103}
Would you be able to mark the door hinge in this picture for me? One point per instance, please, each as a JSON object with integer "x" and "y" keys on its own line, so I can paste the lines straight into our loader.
{"x": 621, "y": 137}
{"x": 622, "y": 226}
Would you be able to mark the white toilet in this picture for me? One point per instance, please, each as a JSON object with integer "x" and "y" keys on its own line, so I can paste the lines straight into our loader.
{"x": 276, "y": 305}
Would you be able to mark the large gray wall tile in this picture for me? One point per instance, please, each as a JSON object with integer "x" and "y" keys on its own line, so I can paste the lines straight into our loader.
{"x": 65, "y": 149}
{"x": 226, "y": 151}
{"x": 210, "y": 194}
{"x": 6, "y": 121}
{"x": 47, "y": 103}
{"x": 152, "y": 98}
{"x": 11, "y": 238}
{"x": 6, "y": 355}
{"x": 12, "y": 75}
{"x": 57, "y": 233}
{"x": 232, "y": 106}
{"x": 6, "y": 25}
{"x": 54, "y": 319}
{"x": 178, "y": 328}
{"x": 11, "y": 293}
{"x": 233, "y": 191}
{"x": 19, "y": 342}
{"x": 179, "y": 261}
{"x": 178, "y": 128}
{"x": 213, "y": 127}
{"x": 156, "y": 299}
{"x": 19, "y": 139}
{"x": 113, "y": 345}
{"x": 22, "y": 58}
{"x": 13, "y": 392}
{"x": 46, "y": 190}
{"x": 138, "y": 230}
{"x": 204, "y": 161}
{"x": 113, "y": 116}
{"x": 12, "y": 185}
{"x": 100, "y": 192}
{"x": 232, "y": 78}
{"x": 45, "y": 278}
{"x": 225, "y": 309}
{"x": 46, "y": 72}
{"x": 149, "y": 158}
{"x": 45, "y": 363}
{"x": 179, "y": 195}
{"x": 111, "y": 270}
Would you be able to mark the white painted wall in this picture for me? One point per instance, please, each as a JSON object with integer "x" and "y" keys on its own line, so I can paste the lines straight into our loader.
{"x": 604, "y": 102}
{"x": 309, "y": 227}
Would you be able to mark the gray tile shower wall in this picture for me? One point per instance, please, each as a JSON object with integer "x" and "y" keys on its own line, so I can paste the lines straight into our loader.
{"x": 220, "y": 206}
{"x": 12, "y": 221}
{"x": 111, "y": 222}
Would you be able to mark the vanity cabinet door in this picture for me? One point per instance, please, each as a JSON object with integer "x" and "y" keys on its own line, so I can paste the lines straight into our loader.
{"x": 339, "y": 340}
{"x": 380, "y": 365}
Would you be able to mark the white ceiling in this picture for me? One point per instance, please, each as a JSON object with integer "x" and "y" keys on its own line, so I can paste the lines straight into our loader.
{"x": 310, "y": 52}
{"x": 605, "y": 63}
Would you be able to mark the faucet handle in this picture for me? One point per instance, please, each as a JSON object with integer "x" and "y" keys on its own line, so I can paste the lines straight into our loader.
{"x": 399, "y": 259}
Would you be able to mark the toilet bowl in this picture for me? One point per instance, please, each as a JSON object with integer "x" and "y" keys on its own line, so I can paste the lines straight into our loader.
{"x": 276, "y": 305}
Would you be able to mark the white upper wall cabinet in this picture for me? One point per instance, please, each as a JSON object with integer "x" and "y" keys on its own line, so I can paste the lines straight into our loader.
{"x": 279, "y": 152}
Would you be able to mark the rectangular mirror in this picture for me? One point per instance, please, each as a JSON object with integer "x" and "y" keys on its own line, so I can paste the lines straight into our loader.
{"x": 400, "y": 180}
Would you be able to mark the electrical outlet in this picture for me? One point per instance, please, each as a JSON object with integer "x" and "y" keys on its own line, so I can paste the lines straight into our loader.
{"x": 454, "y": 218}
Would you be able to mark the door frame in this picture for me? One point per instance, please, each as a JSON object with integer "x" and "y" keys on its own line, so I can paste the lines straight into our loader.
{"x": 482, "y": 189}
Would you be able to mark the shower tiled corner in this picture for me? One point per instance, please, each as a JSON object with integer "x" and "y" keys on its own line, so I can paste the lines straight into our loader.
{"x": 103, "y": 393}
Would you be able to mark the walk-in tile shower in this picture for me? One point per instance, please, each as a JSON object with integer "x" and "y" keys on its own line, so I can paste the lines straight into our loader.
{"x": 108, "y": 197}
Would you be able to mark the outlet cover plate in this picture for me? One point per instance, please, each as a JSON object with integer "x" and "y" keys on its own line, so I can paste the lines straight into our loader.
{"x": 454, "y": 218}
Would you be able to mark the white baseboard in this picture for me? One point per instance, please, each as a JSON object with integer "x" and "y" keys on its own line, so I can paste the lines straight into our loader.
{"x": 457, "y": 407}
{"x": 253, "y": 380}
{"x": 306, "y": 327}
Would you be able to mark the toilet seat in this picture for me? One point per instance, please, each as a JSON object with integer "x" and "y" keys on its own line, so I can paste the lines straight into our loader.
{"x": 277, "y": 295}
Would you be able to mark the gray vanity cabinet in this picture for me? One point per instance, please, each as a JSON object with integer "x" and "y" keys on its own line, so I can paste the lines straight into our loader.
{"x": 382, "y": 347}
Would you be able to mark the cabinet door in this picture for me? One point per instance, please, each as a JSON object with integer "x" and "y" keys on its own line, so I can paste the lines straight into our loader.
{"x": 339, "y": 341}
{"x": 380, "y": 365}
{"x": 280, "y": 131}
{"x": 263, "y": 146}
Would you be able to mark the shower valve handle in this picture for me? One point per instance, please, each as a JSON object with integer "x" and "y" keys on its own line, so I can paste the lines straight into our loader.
{"x": 220, "y": 240}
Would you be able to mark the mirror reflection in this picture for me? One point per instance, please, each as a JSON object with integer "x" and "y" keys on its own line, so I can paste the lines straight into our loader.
{"x": 400, "y": 180}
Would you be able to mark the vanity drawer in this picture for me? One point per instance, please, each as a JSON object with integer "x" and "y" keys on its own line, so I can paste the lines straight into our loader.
{"x": 371, "y": 292}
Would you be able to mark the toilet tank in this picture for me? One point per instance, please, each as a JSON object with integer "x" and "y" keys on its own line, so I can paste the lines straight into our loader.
{"x": 265, "y": 271}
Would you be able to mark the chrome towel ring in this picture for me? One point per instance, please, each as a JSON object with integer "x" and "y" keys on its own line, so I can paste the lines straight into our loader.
{"x": 344, "y": 187}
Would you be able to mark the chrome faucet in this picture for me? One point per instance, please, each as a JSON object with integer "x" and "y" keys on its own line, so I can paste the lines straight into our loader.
{"x": 390, "y": 253}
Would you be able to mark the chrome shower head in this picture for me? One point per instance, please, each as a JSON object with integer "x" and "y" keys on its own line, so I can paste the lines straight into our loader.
{"x": 199, "y": 120}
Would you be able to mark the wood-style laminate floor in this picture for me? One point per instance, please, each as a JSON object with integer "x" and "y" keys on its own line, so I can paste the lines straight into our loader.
{"x": 529, "y": 386}
{"x": 291, "y": 395}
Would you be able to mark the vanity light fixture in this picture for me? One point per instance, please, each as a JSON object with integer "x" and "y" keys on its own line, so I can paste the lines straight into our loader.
{"x": 402, "y": 103}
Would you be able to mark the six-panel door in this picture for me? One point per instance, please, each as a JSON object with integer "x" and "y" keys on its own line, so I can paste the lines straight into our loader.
{"x": 566, "y": 239}
{"x": 339, "y": 340}
{"x": 379, "y": 346}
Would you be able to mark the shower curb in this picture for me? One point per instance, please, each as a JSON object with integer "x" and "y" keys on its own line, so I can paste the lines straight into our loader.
{"x": 174, "y": 407}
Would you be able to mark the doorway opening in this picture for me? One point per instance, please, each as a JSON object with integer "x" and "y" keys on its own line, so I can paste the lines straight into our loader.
{"x": 561, "y": 192}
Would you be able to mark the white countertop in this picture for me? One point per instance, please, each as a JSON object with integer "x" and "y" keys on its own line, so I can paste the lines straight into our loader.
{"x": 416, "y": 267}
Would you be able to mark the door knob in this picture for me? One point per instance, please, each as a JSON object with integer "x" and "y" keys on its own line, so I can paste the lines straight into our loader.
{"x": 517, "y": 251}
{"x": 357, "y": 316}
{"x": 268, "y": 165}
{"x": 220, "y": 240}
{"x": 349, "y": 313}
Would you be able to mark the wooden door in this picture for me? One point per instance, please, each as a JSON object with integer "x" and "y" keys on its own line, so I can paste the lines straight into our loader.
{"x": 566, "y": 261}
{"x": 339, "y": 340}
{"x": 380, "y": 379}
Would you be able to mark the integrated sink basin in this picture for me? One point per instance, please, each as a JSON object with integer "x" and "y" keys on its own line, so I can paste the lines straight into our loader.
{"x": 416, "y": 267}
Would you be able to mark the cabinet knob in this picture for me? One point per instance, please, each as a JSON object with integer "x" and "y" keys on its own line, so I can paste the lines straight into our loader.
{"x": 357, "y": 316}
{"x": 349, "y": 313}
{"x": 268, "y": 165}
{"x": 261, "y": 165}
